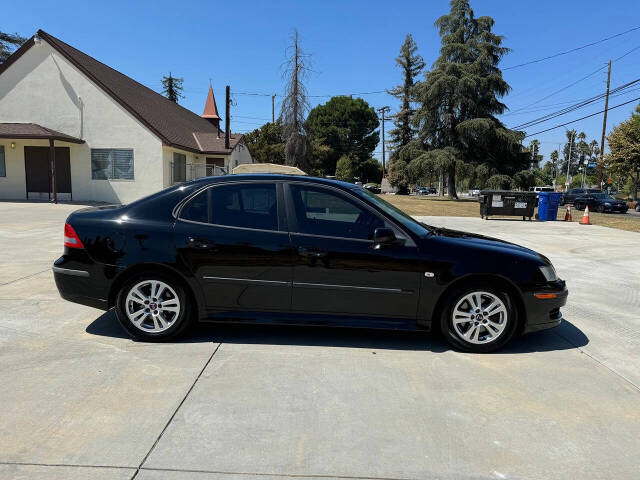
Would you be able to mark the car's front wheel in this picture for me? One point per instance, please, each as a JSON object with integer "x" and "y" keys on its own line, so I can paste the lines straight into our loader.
{"x": 478, "y": 319}
{"x": 600, "y": 209}
{"x": 153, "y": 308}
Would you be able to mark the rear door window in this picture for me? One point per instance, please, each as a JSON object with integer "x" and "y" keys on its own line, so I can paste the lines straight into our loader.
{"x": 245, "y": 205}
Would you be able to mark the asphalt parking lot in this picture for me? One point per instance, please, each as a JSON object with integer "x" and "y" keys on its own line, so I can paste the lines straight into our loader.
{"x": 80, "y": 400}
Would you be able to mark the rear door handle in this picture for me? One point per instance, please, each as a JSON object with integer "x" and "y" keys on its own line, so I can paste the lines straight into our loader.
{"x": 199, "y": 243}
{"x": 311, "y": 252}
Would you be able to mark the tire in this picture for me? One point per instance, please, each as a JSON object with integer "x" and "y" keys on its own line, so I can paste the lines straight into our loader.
{"x": 502, "y": 324}
{"x": 166, "y": 323}
{"x": 600, "y": 209}
{"x": 638, "y": 207}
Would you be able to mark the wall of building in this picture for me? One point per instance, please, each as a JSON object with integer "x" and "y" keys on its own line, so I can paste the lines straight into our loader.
{"x": 167, "y": 161}
{"x": 240, "y": 156}
{"x": 43, "y": 87}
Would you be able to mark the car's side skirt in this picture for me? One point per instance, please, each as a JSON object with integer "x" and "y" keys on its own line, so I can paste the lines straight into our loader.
{"x": 276, "y": 318}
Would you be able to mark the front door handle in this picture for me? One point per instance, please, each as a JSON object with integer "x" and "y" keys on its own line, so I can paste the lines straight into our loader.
{"x": 199, "y": 243}
{"x": 311, "y": 252}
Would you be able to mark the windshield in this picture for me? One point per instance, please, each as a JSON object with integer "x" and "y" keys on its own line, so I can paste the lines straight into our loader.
{"x": 602, "y": 196}
{"x": 394, "y": 212}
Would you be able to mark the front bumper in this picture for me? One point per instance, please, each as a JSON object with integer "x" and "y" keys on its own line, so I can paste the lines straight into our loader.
{"x": 616, "y": 208}
{"x": 543, "y": 306}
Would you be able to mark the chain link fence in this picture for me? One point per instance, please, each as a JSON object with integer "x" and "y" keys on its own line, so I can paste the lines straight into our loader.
{"x": 184, "y": 172}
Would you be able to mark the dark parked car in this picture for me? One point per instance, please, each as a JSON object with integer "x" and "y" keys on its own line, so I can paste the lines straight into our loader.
{"x": 372, "y": 187}
{"x": 425, "y": 190}
{"x": 601, "y": 202}
{"x": 573, "y": 193}
{"x": 299, "y": 250}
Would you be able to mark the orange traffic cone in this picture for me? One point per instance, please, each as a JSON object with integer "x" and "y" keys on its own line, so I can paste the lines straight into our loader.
{"x": 585, "y": 217}
{"x": 567, "y": 216}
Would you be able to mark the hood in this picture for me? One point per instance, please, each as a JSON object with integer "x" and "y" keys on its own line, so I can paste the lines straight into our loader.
{"x": 481, "y": 242}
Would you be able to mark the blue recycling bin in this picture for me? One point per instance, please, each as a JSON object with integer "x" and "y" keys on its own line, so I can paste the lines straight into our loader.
{"x": 548, "y": 203}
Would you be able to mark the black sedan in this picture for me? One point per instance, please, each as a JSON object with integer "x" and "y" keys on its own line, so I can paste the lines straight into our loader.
{"x": 600, "y": 202}
{"x": 573, "y": 193}
{"x": 299, "y": 250}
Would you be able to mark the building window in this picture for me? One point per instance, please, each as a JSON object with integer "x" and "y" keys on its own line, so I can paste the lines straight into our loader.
{"x": 179, "y": 167}
{"x": 112, "y": 164}
{"x": 3, "y": 166}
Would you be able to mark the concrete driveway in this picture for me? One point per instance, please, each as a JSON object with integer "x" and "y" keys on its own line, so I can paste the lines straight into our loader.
{"x": 80, "y": 400}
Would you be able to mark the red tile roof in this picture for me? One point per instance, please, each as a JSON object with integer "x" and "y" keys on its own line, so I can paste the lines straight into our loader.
{"x": 173, "y": 124}
{"x": 33, "y": 130}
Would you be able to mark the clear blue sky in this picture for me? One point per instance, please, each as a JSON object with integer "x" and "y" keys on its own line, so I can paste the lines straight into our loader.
{"x": 353, "y": 45}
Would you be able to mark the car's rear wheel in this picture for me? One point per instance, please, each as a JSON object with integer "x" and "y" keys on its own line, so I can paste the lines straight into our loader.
{"x": 600, "y": 209}
{"x": 153, "y": 308}
{"x": 478, "y": 319}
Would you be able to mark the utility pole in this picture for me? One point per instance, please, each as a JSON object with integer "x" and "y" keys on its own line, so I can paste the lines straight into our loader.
{"x": 604, "y": 129}
{"x": 572, "y": 137}
{"x": 382, "y": 111}
{"x": 273, "y": 109}
{"x": 227, "y": 117}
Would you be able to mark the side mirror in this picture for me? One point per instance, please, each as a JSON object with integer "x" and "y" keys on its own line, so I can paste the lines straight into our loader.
{"x": 384, "y": 236}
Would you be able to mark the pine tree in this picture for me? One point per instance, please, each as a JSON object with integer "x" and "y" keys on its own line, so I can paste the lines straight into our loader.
{"x": 411, "y": 64}
{"x": 8, "y": 42}
{"x": 172, "y": 88}
{"x": 459, "y": 98}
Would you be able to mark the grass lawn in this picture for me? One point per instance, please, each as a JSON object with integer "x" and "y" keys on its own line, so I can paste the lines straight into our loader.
{"x": 442, "y": 206}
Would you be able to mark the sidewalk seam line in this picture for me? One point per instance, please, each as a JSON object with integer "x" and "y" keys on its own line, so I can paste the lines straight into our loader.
{"x": 22, "y": 278}
{"x": 597, "y": 361}
{"x": 266, "y": 474}
{"x": 175, "y": 412}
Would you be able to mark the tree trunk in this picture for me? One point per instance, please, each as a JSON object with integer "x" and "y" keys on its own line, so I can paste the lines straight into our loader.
{"x": 451, "y": 183}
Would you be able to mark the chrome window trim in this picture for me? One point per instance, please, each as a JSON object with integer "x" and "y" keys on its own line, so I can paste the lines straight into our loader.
{"x": 232, "y": 226}
{"x": 70, "y": 271}
{"x": 364, "y": 240}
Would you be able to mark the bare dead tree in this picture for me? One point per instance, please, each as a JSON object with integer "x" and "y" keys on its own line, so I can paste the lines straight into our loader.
{"x": 295, "y": 105}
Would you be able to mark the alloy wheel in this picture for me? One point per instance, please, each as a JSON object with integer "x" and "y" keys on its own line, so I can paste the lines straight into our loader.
{"x": 479, "y": 317}
{"x": 152, "y": 306}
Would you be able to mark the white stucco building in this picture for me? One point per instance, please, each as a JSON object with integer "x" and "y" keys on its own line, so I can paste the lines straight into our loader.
{"x": 113, "y": 139}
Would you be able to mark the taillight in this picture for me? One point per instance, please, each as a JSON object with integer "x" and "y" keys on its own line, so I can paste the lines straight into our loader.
{"x": 71, "y": 238}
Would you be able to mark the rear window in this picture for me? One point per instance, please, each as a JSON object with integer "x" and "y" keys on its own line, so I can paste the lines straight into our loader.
{"x": 197, "y": 209}
{"x": 238, "y": 205}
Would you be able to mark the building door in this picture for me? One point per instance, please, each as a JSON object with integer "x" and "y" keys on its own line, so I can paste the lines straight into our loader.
{"x": 38, "y": 172}
{"x": 214, "y": 166}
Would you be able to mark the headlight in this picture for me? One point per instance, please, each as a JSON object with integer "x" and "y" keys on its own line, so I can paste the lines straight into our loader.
{"x": 549, "y": 273}
{"x": 607, "y": 204}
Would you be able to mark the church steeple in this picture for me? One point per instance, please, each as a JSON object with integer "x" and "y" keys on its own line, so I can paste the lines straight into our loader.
{"x": 211, "y": 109}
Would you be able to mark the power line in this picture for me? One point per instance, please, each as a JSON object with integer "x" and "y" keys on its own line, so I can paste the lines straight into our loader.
{"x": 562, "y": 89}
{"x": 630, "y": 51}
{"x": 538, "y": 60}
{"x": 576, "y": 106}
{"x": 581, "y": 118}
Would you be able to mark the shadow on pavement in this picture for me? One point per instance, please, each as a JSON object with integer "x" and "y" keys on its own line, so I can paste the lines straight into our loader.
{"x": 565, "y": 337}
